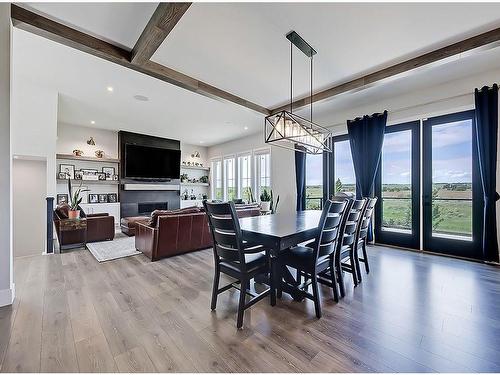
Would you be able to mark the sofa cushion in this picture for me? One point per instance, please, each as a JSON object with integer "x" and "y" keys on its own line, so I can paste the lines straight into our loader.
{"x": 153, "y": 221}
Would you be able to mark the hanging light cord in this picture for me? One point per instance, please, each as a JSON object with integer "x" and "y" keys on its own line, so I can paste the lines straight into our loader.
{"x": 291, "y": 76}
{"x": 311, "y": 92}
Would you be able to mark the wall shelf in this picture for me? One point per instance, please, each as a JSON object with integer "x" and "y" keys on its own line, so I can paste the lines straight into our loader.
{"x": 89, "y": 182}
{"x": 195, "y": 168}
{"x": 86, "y": 158}
{"x": 194, "y": 184}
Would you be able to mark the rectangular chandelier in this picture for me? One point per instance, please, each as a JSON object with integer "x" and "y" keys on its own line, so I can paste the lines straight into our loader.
{"x": 286, "y": 129}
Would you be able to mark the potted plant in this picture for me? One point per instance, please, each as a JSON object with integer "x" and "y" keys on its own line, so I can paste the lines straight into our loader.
{"x": 75, "y": 200}
{"x": 265, "y": 201}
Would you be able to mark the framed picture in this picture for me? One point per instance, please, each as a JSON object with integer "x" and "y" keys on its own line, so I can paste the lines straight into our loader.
{"x": 103, "y": 198}
{"x": 101, "y": 176}
{"x": 112, "y": 198}
{"x": 109, "y": 172}
{"x": 78, "y": 175}
{"x": 93, "y": 198}
{"x": 68, "y": 169}
{"x": 62, "y": 176}
{"x": 115, "y": 177}
{"x": 91, "y": 172}
{"x": 62, "y": 198}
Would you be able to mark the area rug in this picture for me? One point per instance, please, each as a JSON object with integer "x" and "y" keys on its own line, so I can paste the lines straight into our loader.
{"x": 122, "y": 246}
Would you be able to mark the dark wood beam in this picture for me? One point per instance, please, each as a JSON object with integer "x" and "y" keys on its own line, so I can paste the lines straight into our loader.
{"x": 427, "y": 59}
{"x": 159, "y": 26}
{"x": 37, "y": 24}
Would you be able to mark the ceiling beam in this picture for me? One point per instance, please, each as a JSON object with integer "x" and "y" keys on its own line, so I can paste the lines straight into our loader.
{"x": 37, "y": 24}
{"x": 159, "y": 26}
{"x": 426, "y": 60}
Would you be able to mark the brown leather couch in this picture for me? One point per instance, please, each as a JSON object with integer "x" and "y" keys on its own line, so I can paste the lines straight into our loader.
{"x": 178, "y": 232}
{"x": 99, "y": 227}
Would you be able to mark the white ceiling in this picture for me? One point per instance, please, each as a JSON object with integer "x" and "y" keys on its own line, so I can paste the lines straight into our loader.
{"x": 241, "y": 48}
{"x": 118, "y": 23}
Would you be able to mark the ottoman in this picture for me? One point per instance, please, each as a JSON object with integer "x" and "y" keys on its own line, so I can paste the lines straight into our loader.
{"x": 128, "y": 224}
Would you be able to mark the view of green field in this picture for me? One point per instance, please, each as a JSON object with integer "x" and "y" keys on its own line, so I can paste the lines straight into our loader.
{"x": 449, "y": 216}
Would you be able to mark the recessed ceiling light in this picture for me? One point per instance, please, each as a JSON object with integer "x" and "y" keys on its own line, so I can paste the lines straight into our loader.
{"x": 246, "y": 128}
{"x": 141, "y": 98}
{"x": 110, "y": 89}
{"x": 92, "y": 122}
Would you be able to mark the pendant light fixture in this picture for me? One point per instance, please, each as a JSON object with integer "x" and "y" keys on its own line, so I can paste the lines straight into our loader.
{"x": 288, "y": 130}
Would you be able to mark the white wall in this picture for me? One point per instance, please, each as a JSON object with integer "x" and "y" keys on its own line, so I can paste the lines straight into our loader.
{"x": 6, "y": 270}
{"x": 29, "y": 206}
{"x": 73, "y": 137}
{"x": 282, "y": 166}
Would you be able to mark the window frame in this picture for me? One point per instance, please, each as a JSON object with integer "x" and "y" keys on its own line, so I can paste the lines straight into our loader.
{"x": 257, "y": 170}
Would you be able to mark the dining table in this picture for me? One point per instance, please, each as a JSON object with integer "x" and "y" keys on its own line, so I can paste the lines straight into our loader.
{"x": 278, "y": 232}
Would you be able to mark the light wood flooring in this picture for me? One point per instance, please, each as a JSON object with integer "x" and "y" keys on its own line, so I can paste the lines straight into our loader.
{"x": 412, "y": 313}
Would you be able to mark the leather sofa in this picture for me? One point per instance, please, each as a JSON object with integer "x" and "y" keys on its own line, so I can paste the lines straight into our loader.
{"x": 178, "y": 232}
{"x": 99, "y": 227}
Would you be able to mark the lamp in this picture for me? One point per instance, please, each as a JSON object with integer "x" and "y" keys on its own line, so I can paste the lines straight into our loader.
{"x": 285, "y": 128}
{"x": 91, "y": 141}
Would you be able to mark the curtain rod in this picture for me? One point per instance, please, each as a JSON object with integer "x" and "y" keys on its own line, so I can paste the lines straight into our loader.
{"x": 390, "y": 112}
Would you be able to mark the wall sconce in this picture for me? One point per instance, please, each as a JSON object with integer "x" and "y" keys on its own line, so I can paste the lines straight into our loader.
{"x": 91, "y": 141}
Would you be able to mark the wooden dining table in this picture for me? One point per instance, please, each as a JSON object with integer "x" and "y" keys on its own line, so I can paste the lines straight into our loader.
{"x": 279, "y": 232}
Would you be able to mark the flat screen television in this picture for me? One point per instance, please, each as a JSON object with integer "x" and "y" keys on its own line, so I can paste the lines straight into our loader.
{"x": 151, "y": 163}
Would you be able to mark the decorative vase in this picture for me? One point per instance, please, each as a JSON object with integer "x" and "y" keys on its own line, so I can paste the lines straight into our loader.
{"x": 265, "y": 206}
{"x": 73, "y": 214}
{"x": 99, "y": 154}
{"x": 77, "y": 152}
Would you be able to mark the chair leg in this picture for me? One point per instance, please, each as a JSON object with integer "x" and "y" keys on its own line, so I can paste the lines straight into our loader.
{"x": 340, "y": 276}
{"x": 358, "y": 267}
{"x": 365, "y": 257}
{"x": 215, "y": 288}
{"x": 317, "y": 302}
{"x": 241, "y": 305}
{"x": 353, "y": 268}
{"x": 333, "y": 276}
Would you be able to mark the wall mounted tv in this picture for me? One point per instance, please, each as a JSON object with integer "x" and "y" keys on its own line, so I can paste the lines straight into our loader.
{"x": 151, "y": 163}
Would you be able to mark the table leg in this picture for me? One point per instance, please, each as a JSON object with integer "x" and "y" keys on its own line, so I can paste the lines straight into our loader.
{"x": 273, "y": 281}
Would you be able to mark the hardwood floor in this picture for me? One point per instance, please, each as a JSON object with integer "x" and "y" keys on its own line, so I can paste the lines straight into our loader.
{"x": 412, "y": 313}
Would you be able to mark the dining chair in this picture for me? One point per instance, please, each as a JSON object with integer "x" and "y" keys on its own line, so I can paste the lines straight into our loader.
{"x": 362, "y": 234}
{"x": 345, "y": 257}
{"x": 234, "y": 257}
{"x": 315, "y": 257}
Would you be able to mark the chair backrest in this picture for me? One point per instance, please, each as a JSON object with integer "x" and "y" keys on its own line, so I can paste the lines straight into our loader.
{"x": 366, "y": 218}
{"x": 353, "y": 221}
{"x": 329, "y": 227}
{"x": 226, "y": 231}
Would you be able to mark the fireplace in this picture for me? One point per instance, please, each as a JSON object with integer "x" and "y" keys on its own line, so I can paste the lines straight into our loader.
{"x": 145, "y": 208}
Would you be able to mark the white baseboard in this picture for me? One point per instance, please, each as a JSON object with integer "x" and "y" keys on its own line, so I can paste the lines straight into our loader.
{"x": 7, "y": 296}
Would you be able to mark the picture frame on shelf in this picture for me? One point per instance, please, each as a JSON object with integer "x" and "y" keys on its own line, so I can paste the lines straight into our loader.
{"x": 115, "y": 177}
{"x": 69, "y": 169}
{"x": 109, "y": 172}
{"x": 101, "y": 176}
{"x": 62, "y": 198}
{"x": 112, "y": 198}
{"x": 103, "y": 198}
{"x": 78, "y": 175}
{"x": 62, "y": 176}
{"x": 93, "y": 198}
{"x": 89, "y": 171}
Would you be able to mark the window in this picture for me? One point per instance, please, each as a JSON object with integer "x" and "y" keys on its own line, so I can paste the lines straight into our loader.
{"x": 345, "y": 179}
{"x": 244, "y": 177}
{"x": 314, "y": 182}
{"x": 229, "y": 179}
{"x": 263, "y": 171}
{"x": 217, "y": 180}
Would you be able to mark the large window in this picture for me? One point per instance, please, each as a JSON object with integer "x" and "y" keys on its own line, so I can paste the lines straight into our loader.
{"x": 345, "y": 179}
{"x": 244, "y": 177}
{"x": 314, "y": 182}
{"x": 229, "y": 179}
{"x": 263, "y": 171}
{"x": 217, "y": 192}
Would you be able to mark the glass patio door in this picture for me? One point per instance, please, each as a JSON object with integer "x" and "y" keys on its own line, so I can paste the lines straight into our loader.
{"x": 397, "y": 184}
{"x": 452, "y": 196}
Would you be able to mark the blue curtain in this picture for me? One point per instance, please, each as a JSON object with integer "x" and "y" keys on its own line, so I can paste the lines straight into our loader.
{"x": 366, "y": 136}
{"x": 486, "y": 130}
{"x": 300, "y": 178}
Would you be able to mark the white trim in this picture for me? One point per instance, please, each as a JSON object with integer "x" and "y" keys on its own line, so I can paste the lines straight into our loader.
{"x": 7, "y": 296}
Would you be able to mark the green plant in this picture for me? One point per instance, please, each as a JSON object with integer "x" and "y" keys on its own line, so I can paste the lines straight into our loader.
{"x": 265, "y": 196}
{"x": 338, "y": 186}
{"x": 249, "y": 192}
{"x": 74, "y": 198}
